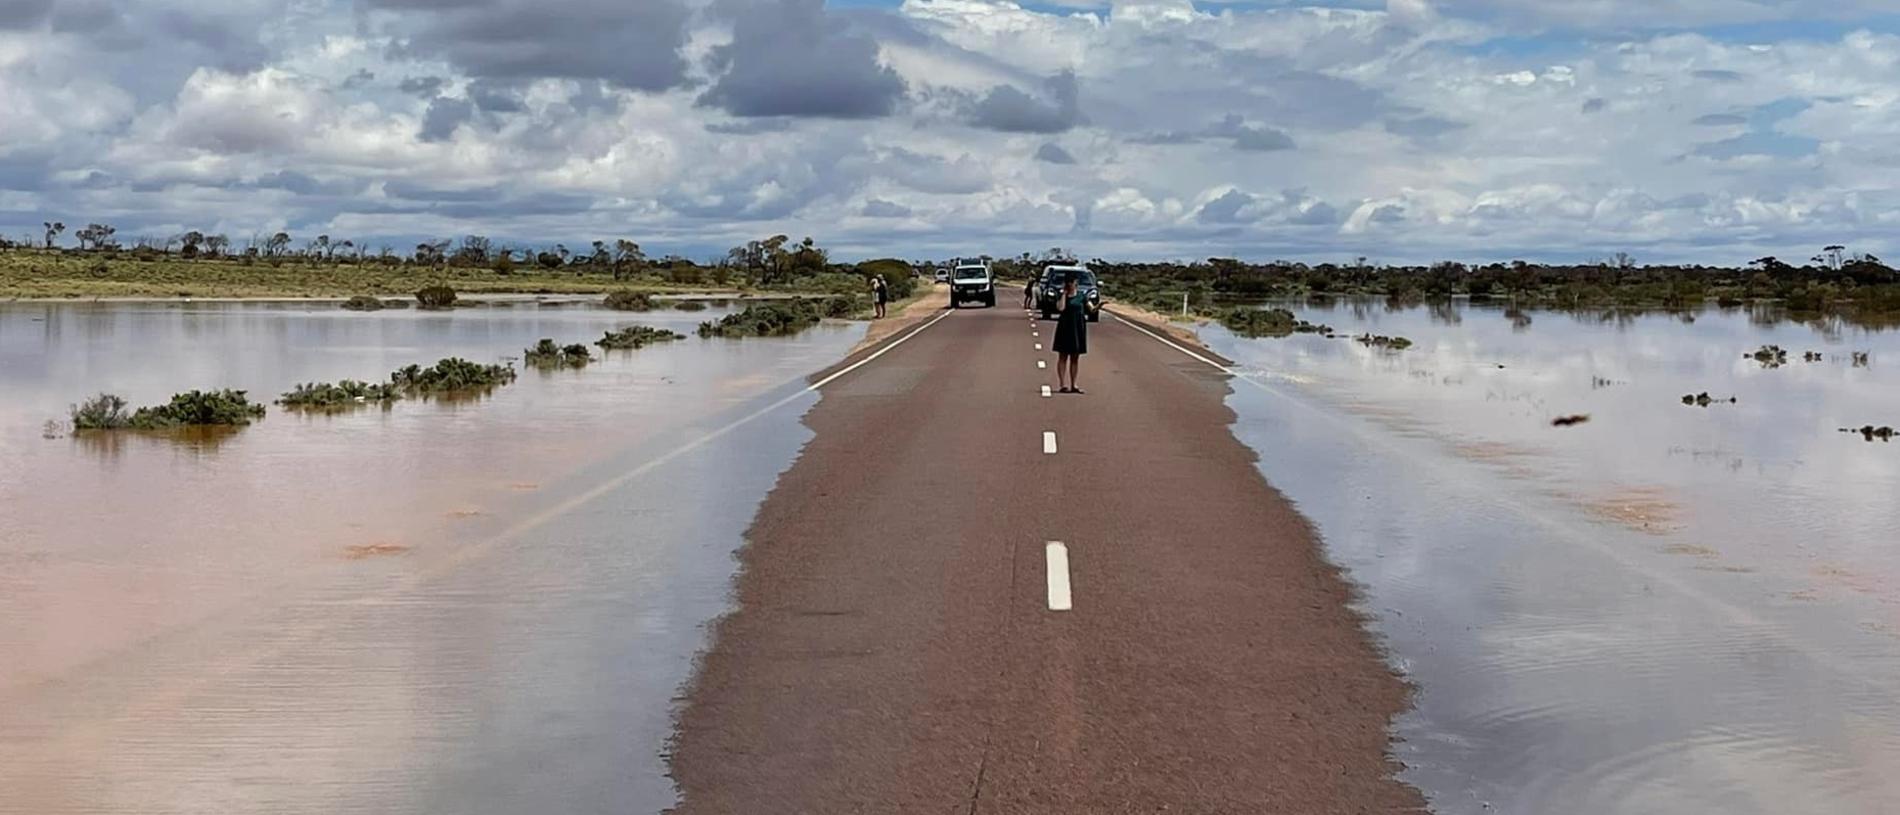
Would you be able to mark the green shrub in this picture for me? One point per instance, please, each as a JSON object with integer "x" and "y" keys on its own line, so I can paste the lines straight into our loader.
{"x": 637, "y": 336}
{"x": 339, "y": 396}
{"x": 1385, "y": 343}
{"x": 435, "y": 297}
{"x": 362, "y": 302}
{"x": 689, "y": 305}
{"x": 898, "y": 275}
{"x": 103, "y": 412}
{"x": 1268, "y": 322}
{"x": 451, "y": 375}
{"x": 629, "y": 301}
{"x": 199, "y": 408}
{"x": 778, "y": 318}
{"x": 546, "y": 354}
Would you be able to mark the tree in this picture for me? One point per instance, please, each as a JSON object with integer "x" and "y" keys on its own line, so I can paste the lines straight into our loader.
{"x": 628, "y": 258}
{"x": 216, "y": 244}
{"x": 320, "y": 246}
{"x": 474, "y": 251}
{"x": 1831, "y": 257}
{"x": 98, "y": 236}
{"x": 277, "y": 244}
{"x": 1622, "y": 261}
{"x": 53, "y": 228}
{"x": 191, "y": 241}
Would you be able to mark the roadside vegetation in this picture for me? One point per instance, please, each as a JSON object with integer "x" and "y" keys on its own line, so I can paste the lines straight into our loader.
{"x": 96, "y": 261}
{"x": 1835, "y": 281}
{"x": 231, "y": 408}
{"x": 330, "y": 397}
{"x": 1268, "y": 322}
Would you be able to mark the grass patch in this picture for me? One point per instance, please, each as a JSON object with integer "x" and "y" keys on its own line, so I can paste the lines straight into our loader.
{"x": 689, "y": 305}
{"x": 629, "y": 301}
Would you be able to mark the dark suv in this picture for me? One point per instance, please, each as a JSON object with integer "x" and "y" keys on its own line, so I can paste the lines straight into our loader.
{"x": 1049, "y": 291}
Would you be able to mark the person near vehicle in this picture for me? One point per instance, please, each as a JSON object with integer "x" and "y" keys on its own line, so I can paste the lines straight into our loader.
{"x": 1072, "y": 333}
{"x": 1029, "y": 292}
{"x": 881, "y": 293}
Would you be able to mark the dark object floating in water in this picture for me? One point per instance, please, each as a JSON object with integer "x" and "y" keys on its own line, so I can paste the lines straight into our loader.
{"x": 1870, "y": 432}
{"x": 1810, "y": 356}
{"x": 1860, "y": 358}
{"x": 1387, "y": 343}
{"x": 1703, "y": 399}
{"x": 1770, "y": 356}
{"x": 1569, "y": 421}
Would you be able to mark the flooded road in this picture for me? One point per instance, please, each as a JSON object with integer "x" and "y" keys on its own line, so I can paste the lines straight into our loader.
{"x": 1668, "y": 608}
{"x": 435, "y": 607}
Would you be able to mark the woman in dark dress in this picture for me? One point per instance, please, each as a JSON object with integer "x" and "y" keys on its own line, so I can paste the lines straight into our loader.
{"x": 880, "y": 293}
{"x": 1072, "y": 334}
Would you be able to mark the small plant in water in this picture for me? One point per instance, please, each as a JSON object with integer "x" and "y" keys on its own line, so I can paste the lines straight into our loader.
{"x": 189, "y": 409}
{"x": 1703, "y": 399}
{"x": 689, "y": 305}
{"x": 103, "y": 412}
{"x": 638, "y": 336}
{"x": 452, "y": 375}
{"x": 1385, "y": 343}
{"x": 362, "y": 302}
{"x": 546, "y": 354}
{"x": 779, "y": 318}
{"x": 1872, "y": 433}
{"x": 1770, "y": 356}
{"x": 342, "y": 395}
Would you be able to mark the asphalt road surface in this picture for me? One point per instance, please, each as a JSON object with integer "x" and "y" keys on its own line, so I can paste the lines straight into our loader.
{"x": 969, "y": 597}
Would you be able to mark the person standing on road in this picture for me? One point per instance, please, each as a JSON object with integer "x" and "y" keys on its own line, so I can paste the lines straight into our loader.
{"x": 1072, "y": 333}
{"x": 881, "y": 293}
{"x": 1029, "y": 292}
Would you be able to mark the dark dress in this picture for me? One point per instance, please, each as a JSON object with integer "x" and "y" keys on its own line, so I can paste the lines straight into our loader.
{"x": 1072, "y": 328}
{"x": 879, "y": 291}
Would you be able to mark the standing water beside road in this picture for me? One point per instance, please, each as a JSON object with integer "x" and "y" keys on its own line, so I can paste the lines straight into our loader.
{"x": 1667, "y": 608}
{"x": 402, "y": 610}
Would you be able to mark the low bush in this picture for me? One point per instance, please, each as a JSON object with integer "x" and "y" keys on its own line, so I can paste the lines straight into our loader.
{"x": 629, "y": 301}
{"x": 898, "y": 276}
{"x": 638, "y": 336}
{"x": 103, "y": 412}
{"x": 1268, "y": 322}
{"x": 435, "y": 297}
{"x": 546, "y": 354}
{"x": 777, "y": 318}
{"x": 362, "y": 302}
{"x": 338, "y": 396}
{"x": 689, "y": 305}
{"x": 197, "y": 409}
{"x": 1384, "y": 343}
{"x": 451, "y": 375}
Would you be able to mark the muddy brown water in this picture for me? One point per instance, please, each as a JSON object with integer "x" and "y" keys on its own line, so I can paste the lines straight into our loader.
{"x": 431, "y": 608}
{"x": 1666, "y": 609}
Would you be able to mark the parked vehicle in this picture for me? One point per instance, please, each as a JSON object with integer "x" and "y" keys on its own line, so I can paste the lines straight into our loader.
{"x": 972, "y": 283}
{"x": 1049, "y": 291}
{"x": 943, "y": 275}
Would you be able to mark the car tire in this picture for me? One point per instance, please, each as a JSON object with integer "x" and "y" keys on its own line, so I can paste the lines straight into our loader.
{"x": 990, "y": 301}
{"x": 1096, "y": 317}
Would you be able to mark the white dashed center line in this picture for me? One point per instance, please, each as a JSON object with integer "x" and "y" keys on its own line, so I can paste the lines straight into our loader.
{"x": 1045, "y": 391}
{"x": 1041, "y": 365}
{"x": 1039, "y": 346}
{"x": 1057, "y": 556}
{"x": 1049, "y": 442}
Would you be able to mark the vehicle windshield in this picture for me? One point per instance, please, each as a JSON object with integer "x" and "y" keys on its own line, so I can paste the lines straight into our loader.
{"x": 971, "y": 272}
{"x": 1054, "y": 277}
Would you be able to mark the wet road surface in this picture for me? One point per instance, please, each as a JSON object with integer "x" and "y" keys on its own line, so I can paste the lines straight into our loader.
{"x": 967, "y": 596}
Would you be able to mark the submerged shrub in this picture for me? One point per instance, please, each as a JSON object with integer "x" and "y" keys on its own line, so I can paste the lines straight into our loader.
{"x": 1384, "y": 343}
{"x": 103, "y": 412}
{"x": 363, "y": 302}
{"x": 637, "y": 336}
{"x": 199, "y": 408}
{"x": 338, "y": 396}
{"x": 1268, "y": 322}
{"x": 546, "y": 354}
{"x": 778, "y": 318}
{"x": 629, "y": 301}
{"x": 451, "y": 375}
{"x": 842, "y": 307}
{"x": 689, "y": 305}
{"x": 435, "y": 297}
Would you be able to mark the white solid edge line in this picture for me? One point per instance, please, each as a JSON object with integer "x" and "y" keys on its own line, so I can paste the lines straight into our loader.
{"x": 1049, "y": 442}
{"x": 1056, "y": 556}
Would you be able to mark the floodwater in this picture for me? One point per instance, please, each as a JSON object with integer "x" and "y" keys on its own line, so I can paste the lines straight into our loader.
{"x": 1666, "y": 609}
{"x": 481, "y": 606}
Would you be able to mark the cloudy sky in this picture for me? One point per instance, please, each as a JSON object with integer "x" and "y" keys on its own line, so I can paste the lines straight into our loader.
{"x": 1402, "y": 130}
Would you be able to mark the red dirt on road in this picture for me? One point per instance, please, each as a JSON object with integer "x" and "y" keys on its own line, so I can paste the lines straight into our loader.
{"x": 892, "y": 650}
